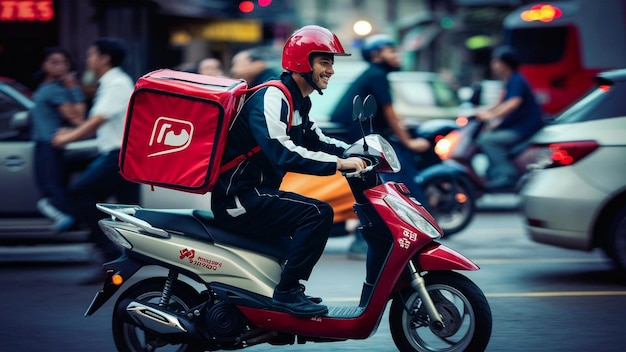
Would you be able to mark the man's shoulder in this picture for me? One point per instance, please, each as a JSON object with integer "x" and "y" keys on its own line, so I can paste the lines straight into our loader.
{"x": 372, "y": 76}
{"x": 51, "y": 91}
{"x": 518, "y": 79}
{"x": 116, "y": 76}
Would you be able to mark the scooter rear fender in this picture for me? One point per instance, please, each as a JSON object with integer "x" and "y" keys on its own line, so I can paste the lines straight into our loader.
{"x": 125, "y": 267}
{"x": 437, "y": 256}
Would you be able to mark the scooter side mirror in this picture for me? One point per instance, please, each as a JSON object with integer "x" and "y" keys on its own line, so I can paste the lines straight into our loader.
{"x": 369, "y": 107}
{"x": 357, "y": 108}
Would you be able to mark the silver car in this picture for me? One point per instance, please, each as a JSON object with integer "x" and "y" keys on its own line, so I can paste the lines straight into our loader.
{"x": 18, "y": 188}
{"x": 19, "y": 217}
{"x": 576, "y": 198}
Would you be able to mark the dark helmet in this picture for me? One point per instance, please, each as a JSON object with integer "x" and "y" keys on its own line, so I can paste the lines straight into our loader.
{"x": 375, "y": 43}
{"x": 305, "y": 41}
{"x": 507, "y": 55}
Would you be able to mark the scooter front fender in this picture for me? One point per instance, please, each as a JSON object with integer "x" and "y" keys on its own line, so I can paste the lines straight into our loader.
{"x": 437, "y": 256}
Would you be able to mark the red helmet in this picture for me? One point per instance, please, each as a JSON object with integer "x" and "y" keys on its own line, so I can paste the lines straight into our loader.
{"x": 307, "y": 40}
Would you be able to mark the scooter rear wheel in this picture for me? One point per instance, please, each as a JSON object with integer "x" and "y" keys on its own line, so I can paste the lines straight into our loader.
{"x": 462, "y": 306}
{"x": 130, "y": 338}
{"x": 451, "y": 200}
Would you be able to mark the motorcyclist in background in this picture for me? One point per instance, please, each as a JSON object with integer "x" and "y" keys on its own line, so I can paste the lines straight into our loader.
{"x": 381, "y": 53}
{"x": 512, "y": 120}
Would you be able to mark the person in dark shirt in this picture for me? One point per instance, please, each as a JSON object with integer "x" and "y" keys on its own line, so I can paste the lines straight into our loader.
{"x": 59, "y": 102}
{"x": 380, "y": 52}
{"x": 246, "y": 198}
{"x": 514, "y": 119}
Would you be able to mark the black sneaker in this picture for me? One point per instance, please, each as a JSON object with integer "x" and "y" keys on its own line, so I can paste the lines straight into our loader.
{"x": 316, "y": 300}
{"x": 294, "y": 302}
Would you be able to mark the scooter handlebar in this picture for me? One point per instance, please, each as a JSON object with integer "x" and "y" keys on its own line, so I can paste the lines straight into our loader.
{"x": 372, "y": 165}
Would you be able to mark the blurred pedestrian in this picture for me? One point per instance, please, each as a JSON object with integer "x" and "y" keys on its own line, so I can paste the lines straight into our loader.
{"x": 252, "y": 65}
{"x": 59, "y": 101}
{"x": 210, "y": 67}
{"x": 512, "y": 120}
{"x": 381, "y": 53}
{"x": 102, "y": 179}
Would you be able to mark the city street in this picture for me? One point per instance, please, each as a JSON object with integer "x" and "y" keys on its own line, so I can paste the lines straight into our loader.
{"x": 542, "y": 298}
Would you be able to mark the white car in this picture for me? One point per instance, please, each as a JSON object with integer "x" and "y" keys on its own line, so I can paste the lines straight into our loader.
{"x": 576, "y": 196}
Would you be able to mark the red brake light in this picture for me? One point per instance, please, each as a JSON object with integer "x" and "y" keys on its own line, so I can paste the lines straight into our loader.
{"x": 567, "y": 153}
{"x": 604, "y": 87}
{"x": 541, "y": 12}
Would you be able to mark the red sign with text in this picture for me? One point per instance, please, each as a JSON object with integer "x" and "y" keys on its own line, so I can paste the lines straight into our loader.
{"x": 26, "y": 10}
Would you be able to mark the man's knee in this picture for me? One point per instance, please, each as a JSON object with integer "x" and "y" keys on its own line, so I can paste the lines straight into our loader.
{"x": 326, "y": 212}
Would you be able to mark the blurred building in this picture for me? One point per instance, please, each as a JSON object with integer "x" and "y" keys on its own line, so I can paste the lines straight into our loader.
{"x": 159, "y": 33}
{"x": 434, "y": 34}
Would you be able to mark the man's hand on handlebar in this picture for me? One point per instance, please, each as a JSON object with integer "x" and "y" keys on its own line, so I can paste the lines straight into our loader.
{"x": 352, "y": 164}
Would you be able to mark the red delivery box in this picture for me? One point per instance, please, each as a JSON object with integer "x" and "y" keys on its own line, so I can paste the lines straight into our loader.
{"x": 176, "y": 129}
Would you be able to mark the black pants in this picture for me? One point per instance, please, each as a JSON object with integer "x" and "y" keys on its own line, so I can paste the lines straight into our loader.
{"x": 97, "y": 183}
{"x": 271, "y": 213}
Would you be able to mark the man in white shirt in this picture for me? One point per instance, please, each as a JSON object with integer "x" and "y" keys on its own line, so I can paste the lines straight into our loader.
{"x": 102, "y": 179}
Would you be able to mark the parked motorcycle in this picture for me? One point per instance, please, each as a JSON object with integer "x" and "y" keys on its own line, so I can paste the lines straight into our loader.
{"x": 459, "y": 150}
{"x": 433, "y": 308}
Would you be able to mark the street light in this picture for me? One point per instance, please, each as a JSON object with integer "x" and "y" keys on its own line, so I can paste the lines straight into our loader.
{"x": 362, "y": 27}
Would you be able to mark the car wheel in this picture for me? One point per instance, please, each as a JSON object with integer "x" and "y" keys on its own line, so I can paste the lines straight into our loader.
{"x": 616, "y": 246}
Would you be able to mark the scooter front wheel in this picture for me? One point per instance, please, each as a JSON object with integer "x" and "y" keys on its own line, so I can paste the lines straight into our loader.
{"x": 460, "y": 303}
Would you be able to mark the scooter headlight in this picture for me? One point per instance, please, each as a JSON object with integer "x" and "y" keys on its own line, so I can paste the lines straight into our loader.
{"x": 412, "y": 217}
{"x": 113, "y": 234}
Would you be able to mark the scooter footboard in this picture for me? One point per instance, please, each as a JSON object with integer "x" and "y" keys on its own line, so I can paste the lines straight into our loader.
{"x": 437, "y": 256}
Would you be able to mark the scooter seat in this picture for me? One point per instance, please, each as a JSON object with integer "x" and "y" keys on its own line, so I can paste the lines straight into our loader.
{"x": 201, "y": 225}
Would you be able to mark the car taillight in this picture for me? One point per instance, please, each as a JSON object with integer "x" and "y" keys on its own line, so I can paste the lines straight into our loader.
{"x": 566, "y": 153}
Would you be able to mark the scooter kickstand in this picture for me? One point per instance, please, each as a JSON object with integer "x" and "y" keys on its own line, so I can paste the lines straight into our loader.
{"x": 419, "y": 285}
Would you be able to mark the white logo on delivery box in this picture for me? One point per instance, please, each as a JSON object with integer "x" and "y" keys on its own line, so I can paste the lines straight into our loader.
{"x": 171, "y": 135}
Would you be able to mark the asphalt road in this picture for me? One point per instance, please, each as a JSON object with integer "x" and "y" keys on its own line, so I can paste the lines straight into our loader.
{"x": 542, "y": 298}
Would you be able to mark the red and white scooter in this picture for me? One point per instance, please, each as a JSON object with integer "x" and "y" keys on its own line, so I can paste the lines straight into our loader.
{"x": 433, "y": 308}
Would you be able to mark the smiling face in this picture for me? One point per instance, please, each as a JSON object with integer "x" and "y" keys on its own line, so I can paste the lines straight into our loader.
{"x": 322, "y": 69}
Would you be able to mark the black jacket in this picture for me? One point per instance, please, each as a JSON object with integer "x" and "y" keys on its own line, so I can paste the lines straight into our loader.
{"x": 303, "y": 148}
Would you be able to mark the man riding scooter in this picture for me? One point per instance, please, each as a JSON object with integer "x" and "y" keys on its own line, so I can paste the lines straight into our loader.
{"x": 514, "y": 119}
{"x": 246, "y": 199}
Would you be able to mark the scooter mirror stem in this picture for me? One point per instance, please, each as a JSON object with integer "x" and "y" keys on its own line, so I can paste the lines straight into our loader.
{"x": 369, "y": 110}
{"x": 358, "y": 115}
{"x": 357, "y": 108}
